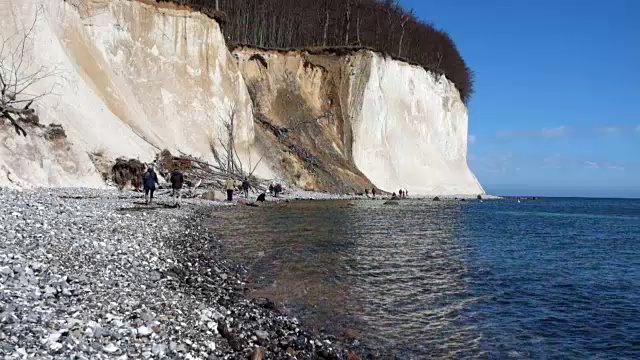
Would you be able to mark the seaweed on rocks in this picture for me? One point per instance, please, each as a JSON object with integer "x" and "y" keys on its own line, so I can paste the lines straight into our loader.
{"x": 79, "y": 279}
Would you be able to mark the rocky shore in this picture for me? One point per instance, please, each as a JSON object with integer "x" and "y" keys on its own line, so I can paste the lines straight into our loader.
{"x": 92, "y": 274}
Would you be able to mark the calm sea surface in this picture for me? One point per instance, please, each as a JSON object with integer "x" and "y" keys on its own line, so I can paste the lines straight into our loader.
{"x": 553, "y": 278}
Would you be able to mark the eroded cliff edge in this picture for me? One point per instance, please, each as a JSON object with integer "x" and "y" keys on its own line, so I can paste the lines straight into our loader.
{"x": 356, "y": 118}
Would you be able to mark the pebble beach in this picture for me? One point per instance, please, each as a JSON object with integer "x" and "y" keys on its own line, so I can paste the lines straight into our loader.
{"x": 96, "y": 274}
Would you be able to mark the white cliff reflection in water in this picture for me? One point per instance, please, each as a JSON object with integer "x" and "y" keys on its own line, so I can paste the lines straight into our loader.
{"x": 392, "y": 276}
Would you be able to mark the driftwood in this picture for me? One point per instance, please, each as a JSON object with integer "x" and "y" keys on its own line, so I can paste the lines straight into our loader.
{"x": 200, "y": 174}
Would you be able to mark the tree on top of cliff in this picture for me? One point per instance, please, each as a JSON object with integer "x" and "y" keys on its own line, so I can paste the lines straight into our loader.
{"x": 381, "y": 25}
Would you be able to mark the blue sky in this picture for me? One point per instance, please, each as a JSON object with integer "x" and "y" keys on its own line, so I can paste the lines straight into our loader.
{"x": 556, "y": 109}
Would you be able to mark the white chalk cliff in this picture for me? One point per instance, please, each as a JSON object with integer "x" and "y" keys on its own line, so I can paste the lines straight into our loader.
{"x": 132, "y": 78}
{"x": 410, "y": 130}
{"x": 135, "y": 76}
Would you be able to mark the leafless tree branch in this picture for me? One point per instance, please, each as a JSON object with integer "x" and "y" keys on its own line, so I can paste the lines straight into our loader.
{"x": 18, "y": 75}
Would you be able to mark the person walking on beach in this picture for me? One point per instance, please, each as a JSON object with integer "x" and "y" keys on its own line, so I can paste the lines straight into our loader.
{"x": 373, "y": 192}
{"x": 245, "y": 187}
{"x": 149, "y": 181}
{"x": 229, "y": 185}
{"x": 177, "y": 180}
{"x": 277, "y": 189}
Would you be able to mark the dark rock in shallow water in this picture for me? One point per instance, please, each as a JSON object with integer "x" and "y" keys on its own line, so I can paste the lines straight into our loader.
{"x": 436, "y": 199}
{"x": 299, "y": 343}
{"x": 266, "y": 303}
{"x": 236, "y": 343}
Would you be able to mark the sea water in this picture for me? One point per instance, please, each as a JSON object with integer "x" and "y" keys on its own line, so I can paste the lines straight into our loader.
{"x": 551, "y": 278}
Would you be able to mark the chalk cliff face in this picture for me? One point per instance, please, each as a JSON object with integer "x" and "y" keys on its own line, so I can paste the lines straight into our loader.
{"x": 133, "y": 77}
{"x": 385, "y": 122}
{"x": 410, "y": 129}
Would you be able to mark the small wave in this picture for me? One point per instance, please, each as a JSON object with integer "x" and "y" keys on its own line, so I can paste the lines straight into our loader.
{"x": 576, "y": 215}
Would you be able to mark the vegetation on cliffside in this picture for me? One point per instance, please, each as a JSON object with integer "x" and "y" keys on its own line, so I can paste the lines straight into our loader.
{"x": 382, "y": 25}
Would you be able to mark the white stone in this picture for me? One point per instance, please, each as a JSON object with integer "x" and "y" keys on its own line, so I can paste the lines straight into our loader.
{"x": 110, "y": 348}
{"x": 144, "y": 331}
{"x": 55, "y": 346}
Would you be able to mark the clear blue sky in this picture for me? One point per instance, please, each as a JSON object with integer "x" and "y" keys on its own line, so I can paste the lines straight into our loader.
{"x": 556, "y": 109}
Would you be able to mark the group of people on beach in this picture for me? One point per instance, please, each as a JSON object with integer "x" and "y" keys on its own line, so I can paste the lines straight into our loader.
{"x": 176, "y": 178}
{"x": 150, "y": 180}
{"x": 402, "y": 193}
{"x": 230, "y": 187}
{"x": 275, "y": 189}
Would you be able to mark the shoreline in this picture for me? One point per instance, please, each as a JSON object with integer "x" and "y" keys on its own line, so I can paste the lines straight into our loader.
{"x": 92, "y": 274}
{"x": 301, "y": 195}
{"x": 99, "y": 274}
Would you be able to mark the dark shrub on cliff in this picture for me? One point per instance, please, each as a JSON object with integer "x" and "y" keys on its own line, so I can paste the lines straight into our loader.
{"x": 382, "y": 25}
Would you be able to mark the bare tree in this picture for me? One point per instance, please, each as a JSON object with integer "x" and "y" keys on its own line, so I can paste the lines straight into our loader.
{"x": 348, "y": 22}
{"x": 229, "y": 162}
{"x": 18, "y": 75}
{"x": 358, "y": 23}
{"x": 326, "y": 22}
{"x": 405, "y": 17}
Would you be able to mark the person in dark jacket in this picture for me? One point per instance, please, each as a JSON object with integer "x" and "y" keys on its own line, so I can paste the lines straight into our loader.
{"x": 373, "y": 192}
{"x": 177, "y": 180}
{"x": 149, "y": 181}
{"x": 245, "y": 187}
